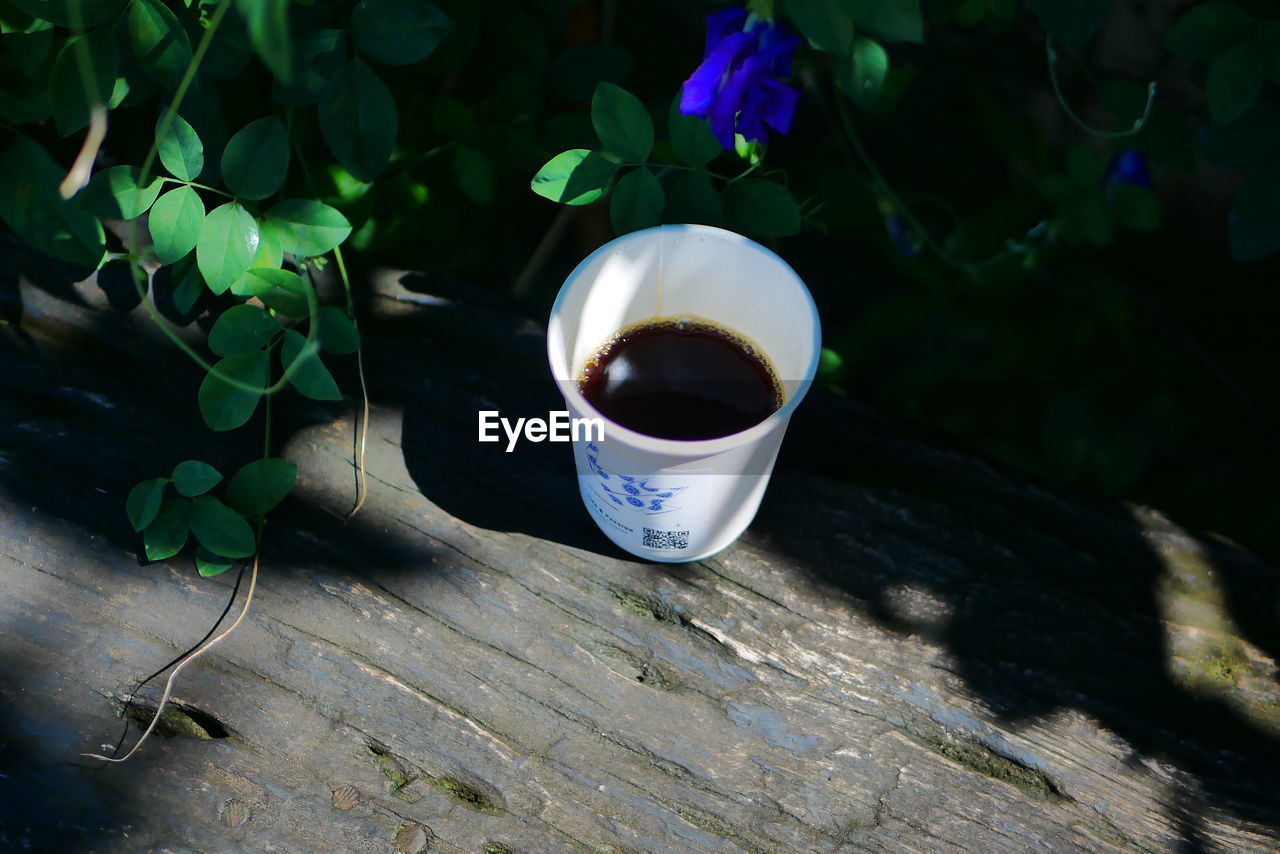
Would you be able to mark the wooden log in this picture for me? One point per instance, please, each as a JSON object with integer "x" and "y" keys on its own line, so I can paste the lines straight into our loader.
{"x": 913, "y": 649}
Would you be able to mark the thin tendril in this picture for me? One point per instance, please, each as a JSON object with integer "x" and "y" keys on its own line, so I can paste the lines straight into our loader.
{"x": 1138, "y": 124}
{"x": 235, "y": 591}
{"x": 362, "y": 429}
{"x": 168, "y": 685}
{"x": 362, "y": 484}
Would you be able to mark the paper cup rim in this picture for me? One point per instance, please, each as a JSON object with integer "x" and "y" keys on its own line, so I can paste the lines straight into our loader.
{"x": 681, "y": 448}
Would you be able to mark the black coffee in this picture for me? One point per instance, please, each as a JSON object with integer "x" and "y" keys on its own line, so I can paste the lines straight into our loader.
{"x": 681, "y": 379}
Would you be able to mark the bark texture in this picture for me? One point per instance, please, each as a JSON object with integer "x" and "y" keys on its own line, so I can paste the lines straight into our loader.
{"x": 913, "y": 649}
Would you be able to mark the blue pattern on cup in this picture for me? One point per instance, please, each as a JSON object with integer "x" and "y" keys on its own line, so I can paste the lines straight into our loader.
{"x": 634, "y": 491}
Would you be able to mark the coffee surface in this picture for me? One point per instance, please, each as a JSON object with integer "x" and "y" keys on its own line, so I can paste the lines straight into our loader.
{"x": 681, "y": 379}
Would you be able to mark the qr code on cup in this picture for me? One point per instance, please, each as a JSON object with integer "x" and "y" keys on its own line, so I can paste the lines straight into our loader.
{"x": 665, "y": 540}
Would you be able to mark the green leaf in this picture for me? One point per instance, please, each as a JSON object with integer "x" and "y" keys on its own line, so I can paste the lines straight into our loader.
{"x": 175, "y": 223}
{"x": 91, "y": 12}
{"x": 225, "y": 406}
{"x": 268, "y": 24}
{"x": 192, "y": 478}
{"x": 1071, "y": 21}
{"x": 279, "y": 290}
{"x": 865, "y": 72}
{"x": 338, "y": 333}
{"x": 1136, "y": 207}
{"x": 691, "y": 198}
{"x": 209, "y": 564}
{"x": 1254, "y": 221}
{"x": 890, "y": 20}
{"x": 311, "y": 378}
{"x": 144, "y": 502}
{"x": 256, "y": 159}
{"x": 167, "y": 533}
{"x": 308, "y": 228}
{"x": 228, "y": 241}
{"x": 827, "y": 24}
{"x": 1085, "y": 167}
{"x": 398, "y": 32}
{"x": 26, "y": 104}
{"x": 242, "y": 328}
{"x": 188, "y": 286}
{"x": 29, "y": 49}
{"x": 764, "y": 208}
{"x": 830, "y": 364}
{"x": 261, "y": 485}
{"x": 16, "y": 21}
{"x": 622, "y": 122}
{"x": 114, "y": 193}
{"x": 575, "y": 177}
{"x": 1207, "y": 29}
{"x": 67, "y": 93}
{"x": 474, "y": 173}
{"x": 180, "y": 149}
{"x": 270, "y": 253}
{"x": 636, "y": 202}
{"x": 31, "y": 205}
{"x": 318, "y": 56}
{"x": 358, "y": 120}
{"x": 1235, "y": 79}
{"x": 220, "y": 529}
{"x": 691, "y": 137}
{"x": 159, "y": 42}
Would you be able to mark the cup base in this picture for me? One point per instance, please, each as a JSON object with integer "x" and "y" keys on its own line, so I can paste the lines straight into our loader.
{"x": 661, "y": 558}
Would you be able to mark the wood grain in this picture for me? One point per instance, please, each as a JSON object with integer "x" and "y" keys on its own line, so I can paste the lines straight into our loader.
{"x": 912, "y": 649}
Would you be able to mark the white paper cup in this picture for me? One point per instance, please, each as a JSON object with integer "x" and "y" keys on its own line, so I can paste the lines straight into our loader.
{"x": 665, "y": 499}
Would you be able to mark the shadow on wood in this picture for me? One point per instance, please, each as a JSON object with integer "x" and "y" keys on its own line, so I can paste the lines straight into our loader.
{"x": 912, "y": 648}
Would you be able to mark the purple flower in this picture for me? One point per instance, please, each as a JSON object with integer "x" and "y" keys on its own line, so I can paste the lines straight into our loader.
{"x": 1129, "y": 167}
{"x": 736, "y": 87}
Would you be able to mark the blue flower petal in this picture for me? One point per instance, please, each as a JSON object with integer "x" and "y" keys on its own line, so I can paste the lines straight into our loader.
{"x": 902, "y": 235}
{"x": 732, "y": 100}
{"x": 699, "y": 96}
{"x": 735, "y": 87}
{"x": 779, "y": 104}
{"x": 777, "y": 45}
{"x": 720, "y": 25}
{"x": 1130, "y": 167}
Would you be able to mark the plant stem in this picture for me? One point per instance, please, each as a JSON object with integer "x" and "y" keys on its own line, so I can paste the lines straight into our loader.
{"x": 1138, "y": 124}
{"x": 362, "y": 484}
{"x": 363, "y": 429}
{"x": 166, "y": 179}
{"x": 878, "y": 178}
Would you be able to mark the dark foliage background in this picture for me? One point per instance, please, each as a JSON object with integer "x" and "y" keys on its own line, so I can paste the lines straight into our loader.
{"x": 1132, "y": 363}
